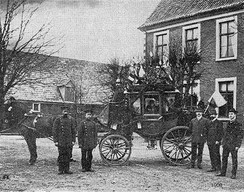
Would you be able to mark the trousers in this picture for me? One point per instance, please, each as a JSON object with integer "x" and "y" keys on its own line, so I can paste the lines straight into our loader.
{"x": 86, "y": 158}
{"x": 196, "y": 149}
{"x": 63, "y": 158}
{"x": 225, "y": 155}
{"x": 214, "y": 153}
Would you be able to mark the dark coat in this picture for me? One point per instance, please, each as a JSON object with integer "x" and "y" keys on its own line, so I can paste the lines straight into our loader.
{"x": 64, "y": 131}
{"x": 199, "y": 129}
{"x": 215, "y": 132}
{"x": 87, "y": 135}
{"x": 233, "y": 135}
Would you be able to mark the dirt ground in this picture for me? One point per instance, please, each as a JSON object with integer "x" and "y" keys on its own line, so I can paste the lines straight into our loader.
{"x": 147, "y": 171}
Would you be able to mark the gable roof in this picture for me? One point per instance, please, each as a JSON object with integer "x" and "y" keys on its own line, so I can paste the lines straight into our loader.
{"x": 168, "y": 10}
{"x": 78, "y": 72}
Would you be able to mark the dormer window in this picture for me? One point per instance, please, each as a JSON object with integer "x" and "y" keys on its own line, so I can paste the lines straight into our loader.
{"x": 67, "y": 92}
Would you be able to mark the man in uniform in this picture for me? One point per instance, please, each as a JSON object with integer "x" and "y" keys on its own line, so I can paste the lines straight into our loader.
{"x": 198, "y": 126}
{"x": 64, "y": 132}
{"x": 87, "y": 140}
{"x": 214, "y": 137}
{"x": 231, "y": 143}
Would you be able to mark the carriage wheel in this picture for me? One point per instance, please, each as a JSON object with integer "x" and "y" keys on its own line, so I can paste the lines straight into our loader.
{"x": 176, "y": 145}
{"x": 115, "y": 149}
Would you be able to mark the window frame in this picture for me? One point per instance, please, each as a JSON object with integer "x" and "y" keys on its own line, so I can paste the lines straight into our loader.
{"x": 218, "y": 49}
{"x": 39, "y": 107}
{"x": 152, "y": 94}
{"x": 155, "y": 35}
{"x": 234, "y": 80}
{"x": 185, "y": 28}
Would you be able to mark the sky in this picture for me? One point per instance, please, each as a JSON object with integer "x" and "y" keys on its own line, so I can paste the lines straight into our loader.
{"x": 96, "y": 30}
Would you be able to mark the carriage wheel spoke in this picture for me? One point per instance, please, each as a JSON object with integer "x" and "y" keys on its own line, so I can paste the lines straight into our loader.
{"x": 106, "y": 149}
{"x": 121, "y": 144}
{"x": 187, "y": 140}
{"x": 107, "y": 145}
{"x": 171, "y": 141}
{"x": 173, "y": 135}
{"x": 108, "y": 154}
{"x": 187, "y": 152}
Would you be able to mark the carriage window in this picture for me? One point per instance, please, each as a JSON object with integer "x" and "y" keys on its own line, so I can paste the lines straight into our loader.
{"x": 137, "y": 106}
{"x": 170, "y": 103}
{"x": 151, "y": 104}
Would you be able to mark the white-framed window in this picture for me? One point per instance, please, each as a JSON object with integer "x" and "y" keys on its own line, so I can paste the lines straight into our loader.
{"x": 191, "y": 36}
{"x": 227, "y": 88}
{"x": 36, "y": 107}
{"x": 226, "y": 38}
{"x": 161, "y": 46}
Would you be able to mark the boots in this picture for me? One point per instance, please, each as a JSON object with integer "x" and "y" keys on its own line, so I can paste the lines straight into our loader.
{"x": 60, "y": 168}
{"x": 66, "y": 168}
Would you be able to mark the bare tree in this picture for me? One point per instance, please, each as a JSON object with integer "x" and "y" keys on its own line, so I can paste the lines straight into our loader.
{"x": 110, "y": 73}
{"x": 183, "y": 68}
{"x": 22, "y": 55}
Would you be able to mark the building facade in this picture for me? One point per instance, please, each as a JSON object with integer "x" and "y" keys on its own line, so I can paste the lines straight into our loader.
{"x": 217, "y": 28}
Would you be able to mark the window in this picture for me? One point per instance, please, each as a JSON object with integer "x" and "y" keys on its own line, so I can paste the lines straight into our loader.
{"x": 169, "y": 103}
{"x": 36, "y": 107}
{"x": 151, "y": 105}
{"x": 226, "y": 38}
{"x": 227, "y": 88}
{"x": 67, "y": 92}
{"x": 161, "y": 46}
{"x": 136, "y": 103}
{"x": 191, "y": 36}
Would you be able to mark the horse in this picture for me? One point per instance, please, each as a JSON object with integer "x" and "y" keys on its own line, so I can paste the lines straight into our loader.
{"x": 31, "y": 126}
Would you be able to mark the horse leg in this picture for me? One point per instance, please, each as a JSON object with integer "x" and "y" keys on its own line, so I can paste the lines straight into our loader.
{"x": 30, "y": 139}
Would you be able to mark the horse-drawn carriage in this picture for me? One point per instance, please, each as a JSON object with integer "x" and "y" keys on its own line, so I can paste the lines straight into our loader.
{"x": 152, "y": 113}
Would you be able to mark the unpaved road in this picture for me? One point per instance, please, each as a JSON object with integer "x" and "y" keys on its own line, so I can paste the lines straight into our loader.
{"x": 147, "y": 171}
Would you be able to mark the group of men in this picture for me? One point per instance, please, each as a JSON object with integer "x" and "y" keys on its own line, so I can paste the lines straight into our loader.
{"x": 211, "y": 131}
{"x": 64, "y": 136}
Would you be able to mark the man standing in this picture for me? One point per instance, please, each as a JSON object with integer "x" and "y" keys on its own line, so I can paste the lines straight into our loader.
{"x": 231, "y": 143}
{"x": 198, "y": 126}
{"x": 87, "y": 139}
{"x": 214, "y": 137}
{"x": 64, "y": 132}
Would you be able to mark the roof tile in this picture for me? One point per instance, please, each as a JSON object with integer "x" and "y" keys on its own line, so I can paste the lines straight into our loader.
{"x": 173, "y": 9}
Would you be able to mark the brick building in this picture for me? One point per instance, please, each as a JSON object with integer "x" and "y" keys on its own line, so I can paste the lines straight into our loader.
{"x": 217, "y": 28}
